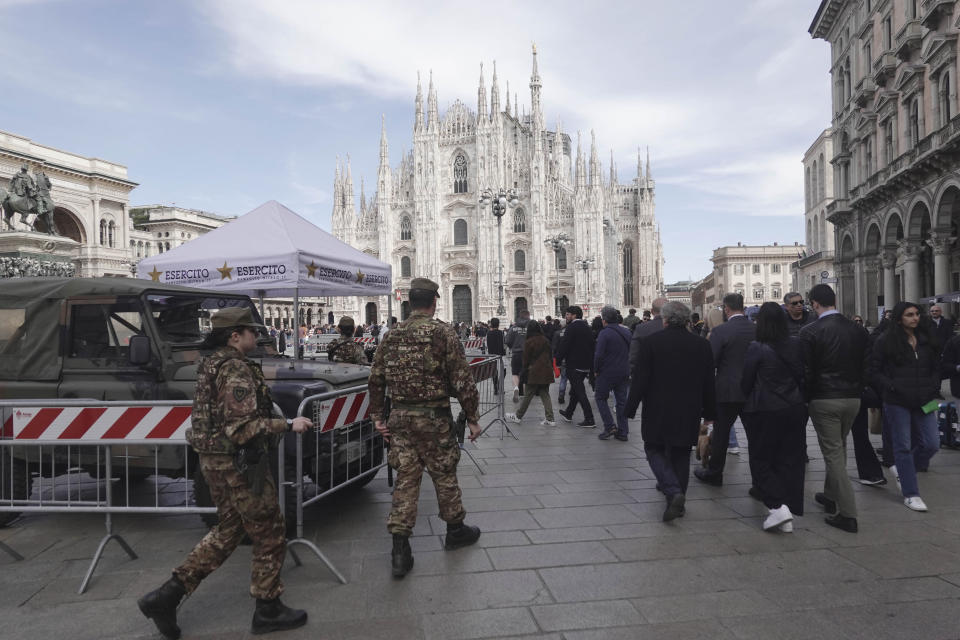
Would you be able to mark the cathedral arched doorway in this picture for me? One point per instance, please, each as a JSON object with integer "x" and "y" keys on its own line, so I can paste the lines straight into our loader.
{"x": 519, "y": 304}
{"x": 404, "y": 310}
{"x": 462, "y": 304}
{"x": 370, "y": 313}
{"x": 562, "y": 303}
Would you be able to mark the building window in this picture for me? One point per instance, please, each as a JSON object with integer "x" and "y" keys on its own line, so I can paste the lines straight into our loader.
{"x": 755, "y": 269}
{"x": 103, "y": 232}
{"x": 887, "y": 34}
{"x": 888, "y": 146}
{"x": 406, "y": 233}
{"x": 808, "y": 196}
{"x": 111, "y": 232}
{"x": 911, "y": 9}
{"x": 944, "y": 98}
{"x": 519, "y": 261}
{"x": 758, "y": 294}
{"x": 867, "y": 58}
{"x": 628, "y": 273}
{"x": 915, "y": 122}
{"x": 775, "y": 293}
{"x": 814, "y": 189}
{"x": 404, "y": 267}
{"x": 738, "y": 291}
{"x": 460, "y": 174}
{"x": 562, "y": 259}
{"x": 460, "y": 232}
{"x": 868, "y": 157}
{"x": 775, "y": 268}
{"x": 519, "y": 221}
{"x": 823, "y": 187}
{"x": 738, "y": 269}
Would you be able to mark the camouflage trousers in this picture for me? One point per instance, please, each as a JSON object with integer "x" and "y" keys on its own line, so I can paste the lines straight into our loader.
{"x": 239, "y": 511}
{"x": 418, "y": 442}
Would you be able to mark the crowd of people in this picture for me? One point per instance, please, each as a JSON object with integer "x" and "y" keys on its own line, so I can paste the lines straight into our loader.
{"x": 775, "y": 367}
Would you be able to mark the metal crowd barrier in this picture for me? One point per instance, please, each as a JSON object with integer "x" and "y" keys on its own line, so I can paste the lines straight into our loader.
{"x": 475, "y": 343}
{"x": 62, "y": 456}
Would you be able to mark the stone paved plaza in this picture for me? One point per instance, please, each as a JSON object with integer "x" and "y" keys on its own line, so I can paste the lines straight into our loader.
{"x": 572, "y": 547}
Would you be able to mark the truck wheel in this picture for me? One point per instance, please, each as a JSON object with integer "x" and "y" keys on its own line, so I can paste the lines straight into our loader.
{"x": 15, "y": 483}
{"x": 201, "y": 496}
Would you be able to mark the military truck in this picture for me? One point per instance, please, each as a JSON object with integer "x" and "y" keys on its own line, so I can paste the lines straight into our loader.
{"x": 123, "y": 339}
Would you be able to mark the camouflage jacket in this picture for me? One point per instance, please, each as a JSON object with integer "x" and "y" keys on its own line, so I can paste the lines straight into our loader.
{"x": 344, "y": 349}
{"x": 423, "y": 363}
{"x": 232, "y": 404}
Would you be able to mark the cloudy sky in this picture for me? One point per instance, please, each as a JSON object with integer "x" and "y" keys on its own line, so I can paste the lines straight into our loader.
{"x": 224, "y": 104}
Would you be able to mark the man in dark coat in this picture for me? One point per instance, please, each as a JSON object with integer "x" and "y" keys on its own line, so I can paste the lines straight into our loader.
{"x": 576, "y": 352}
{"x": 797, "y": 316}
{"x": 613, "y": 373}
{"x": 729, "y": 342}
{"x": 647, "y": 328}
{"x": 942, "y": 326}
{"x": 677, "y": 388}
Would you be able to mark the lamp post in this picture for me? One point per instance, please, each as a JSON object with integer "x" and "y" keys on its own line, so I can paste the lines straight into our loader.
{"x": 557, "y": 242}
{"x": 499, "y": 202}
{"x": 585, "y": 264}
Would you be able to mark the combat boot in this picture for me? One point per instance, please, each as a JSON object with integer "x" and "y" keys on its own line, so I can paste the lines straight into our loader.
{"x": 460, "y": 535}
{"x": 273, "y": 615}
{"x": 160, "y": 606}
{"x": 402, "y": 556}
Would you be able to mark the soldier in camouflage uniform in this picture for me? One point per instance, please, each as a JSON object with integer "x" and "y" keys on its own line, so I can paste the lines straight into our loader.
{"x": 423, "y": 363}
{"x": 231, "y": 426}
{"x": 344, "y": 349}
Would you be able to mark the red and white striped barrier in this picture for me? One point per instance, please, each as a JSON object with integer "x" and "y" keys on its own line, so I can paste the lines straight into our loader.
{"x": 342, "y": 411}
{"x": 472, "y": 343}
{"x": 365, "y": 340}
{"x": 483, "y": 367}
{"x": 87, "y": 424}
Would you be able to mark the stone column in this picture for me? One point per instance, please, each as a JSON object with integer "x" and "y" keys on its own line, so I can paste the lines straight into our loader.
{"x": 871, "y": 269}
{"x": 940, "y": 242}
{"x": 909, "y": 250}
{"x": 96, "y": 221}
{"x": 888, "y": 259}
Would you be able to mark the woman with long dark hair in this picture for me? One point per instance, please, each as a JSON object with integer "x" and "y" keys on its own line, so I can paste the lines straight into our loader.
{"x": 905, "y": 371}
{"x": 773, "y": 386}
{"x": 537, "y": 362}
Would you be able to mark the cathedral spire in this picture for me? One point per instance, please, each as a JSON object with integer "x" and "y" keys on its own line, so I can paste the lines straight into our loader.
{"x": 507, "y": 108}
{"x": 434, "y": 118}
{"x": 348, "y": 187}
{"x": 613, "y": 169}
{"x": 649, "y": 175}
{"x": 482, "y": 96}
{"x": 495, "y": 93}
{"x": 363, "y": 195}
{"x": 418, "y": 126}
{"x": 639, "y": 164}
{"x": 581, "y": 170}
{"x": 383, "y": 172}
{"x": 384, "y": 149}
{"x": 337, "y": 186}
{"x": 594, "y": 160}
{"x": 536, "y": 115}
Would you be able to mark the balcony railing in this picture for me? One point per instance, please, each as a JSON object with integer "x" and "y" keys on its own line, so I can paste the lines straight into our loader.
{"x": 864, "y": 92}
{"x": 884, "y": 67}
{"x": 931, "y": 10}
{"x": 814, "y": 258}
{"x": 908, "y": 39}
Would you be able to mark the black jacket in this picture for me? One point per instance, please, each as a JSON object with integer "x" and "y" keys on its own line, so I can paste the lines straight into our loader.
{"x": 943, "y": 331}
{"x": 675, "y": 383}
{"x": 911, "y": 383}
{"x": 794, "y": 326}
{"x": 495, "y": 342}
{"x": 834, "y": 357}
{"x": 515, "y": 336}
{"x": 773, "y": 378}
{"x": 641, "y": 332}
{"x": 729, "y": 342}
{"x": 949, "y": 363}
{"x": 576, "y": 346}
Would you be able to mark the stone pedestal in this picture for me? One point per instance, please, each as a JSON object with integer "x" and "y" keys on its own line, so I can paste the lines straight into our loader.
{"x": 28, "y": 254}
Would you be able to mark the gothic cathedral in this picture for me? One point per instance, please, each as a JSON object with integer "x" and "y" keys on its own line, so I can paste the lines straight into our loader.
{"x": 425, "y": 219}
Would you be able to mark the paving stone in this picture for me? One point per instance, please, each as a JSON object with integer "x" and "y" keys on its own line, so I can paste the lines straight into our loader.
{"x": 783, "y": 626}
{"x": 627, "y": 580}
{"x": 478, "y": 624}
{"x": 698, "y": 630}
{"x": 602, "y": 475}
{"x": 673, "y": 546}
{"x": 579, "y": 516}
{"x": 587, "y": 498}
{"x": 703, "y": 606}
{"x": 517, "y": 479}
{"x": 583, "y": 487}
{"x": 567, "y": 534}
{"x": 467, "y": 560}
{"x": 550, "y": 555}
{"x": 534, "y": 489}
{"x": 491, "y": 521}
{"x": 903, "y": 560}
{"x": 586, "y": 615}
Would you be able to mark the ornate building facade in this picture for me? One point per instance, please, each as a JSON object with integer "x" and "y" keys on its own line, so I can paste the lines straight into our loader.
{"x": 896, "y": 149}
{"x": 818, "y": 194}
{"x": 425, "y": 220}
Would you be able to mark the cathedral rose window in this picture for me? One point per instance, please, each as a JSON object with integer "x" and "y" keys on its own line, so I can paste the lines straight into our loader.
{"x": 460, "y": 174}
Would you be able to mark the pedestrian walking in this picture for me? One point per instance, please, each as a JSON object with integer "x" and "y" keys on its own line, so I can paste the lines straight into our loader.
{"x": 905, "y": 370}
{"x": 797, "y": 316}
{"x": 345, "y": 349}
{"x": 772, "y": 385}
{"x": 495, "y": 347}
{"x": 538, "y": 372}
{"x": 632, "y": 320}
{"x": 576, "y": 351}
{"x": 675, "y": 383}
{"x": 231, "y": 429}
{"x": 729, "y": 342}
{"x": 555, "y": 344}
{"x": 834, "y": 355}
{"x": 642, "y": 331}
{"x": 611, "y": 363}
{"x": 514, "y": 338}
{"x": 422, "y": 360}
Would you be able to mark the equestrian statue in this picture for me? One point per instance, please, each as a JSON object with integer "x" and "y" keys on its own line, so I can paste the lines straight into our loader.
{"x": 29, "y": 195}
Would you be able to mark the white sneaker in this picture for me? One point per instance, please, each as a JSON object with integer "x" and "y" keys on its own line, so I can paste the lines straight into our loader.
{"x": 512, "y": 417}
{"x": 777, "y": 517}
{"x": 787, "y": 527}
{"x": 734, "y": 451}
{"x": 547, "y": 423}
{"x": 916, "y": 503}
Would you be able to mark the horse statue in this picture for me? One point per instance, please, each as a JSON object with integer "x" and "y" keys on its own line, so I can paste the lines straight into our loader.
{"x": 36, "y": 201}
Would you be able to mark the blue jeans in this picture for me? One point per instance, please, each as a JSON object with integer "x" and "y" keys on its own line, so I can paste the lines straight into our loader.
{"x": 909, "y": 454}
{"x": 620, "y": 388}
{"x": 562, "y": 385}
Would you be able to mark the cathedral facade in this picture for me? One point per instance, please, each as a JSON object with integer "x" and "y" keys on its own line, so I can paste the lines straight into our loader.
{"x": 426, "y": 221}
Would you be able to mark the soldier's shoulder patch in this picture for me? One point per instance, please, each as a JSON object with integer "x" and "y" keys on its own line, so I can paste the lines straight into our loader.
{"x": 239, "y": 393}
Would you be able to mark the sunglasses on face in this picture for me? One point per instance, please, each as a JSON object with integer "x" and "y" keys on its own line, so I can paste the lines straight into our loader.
{"x": 796, "y": 302}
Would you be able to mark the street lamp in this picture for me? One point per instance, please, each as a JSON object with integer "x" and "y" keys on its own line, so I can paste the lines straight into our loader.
{"x": 558, "y": 242}
{"x": 585, "y": 264}
{"x": 499, "y": 202}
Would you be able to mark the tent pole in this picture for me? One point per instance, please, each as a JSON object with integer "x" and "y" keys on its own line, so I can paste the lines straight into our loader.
{"x": 296, "y": 323}
{"x": 260, "y": 296}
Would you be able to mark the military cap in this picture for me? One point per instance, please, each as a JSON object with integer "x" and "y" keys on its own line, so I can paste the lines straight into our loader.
{"x": 234, "y": 317}
{"x": 427, "y": 284}
{"x": 346, "y": 321}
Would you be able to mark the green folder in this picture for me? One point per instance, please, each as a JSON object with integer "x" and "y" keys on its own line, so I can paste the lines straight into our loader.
{"x": 931, "y": 406}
